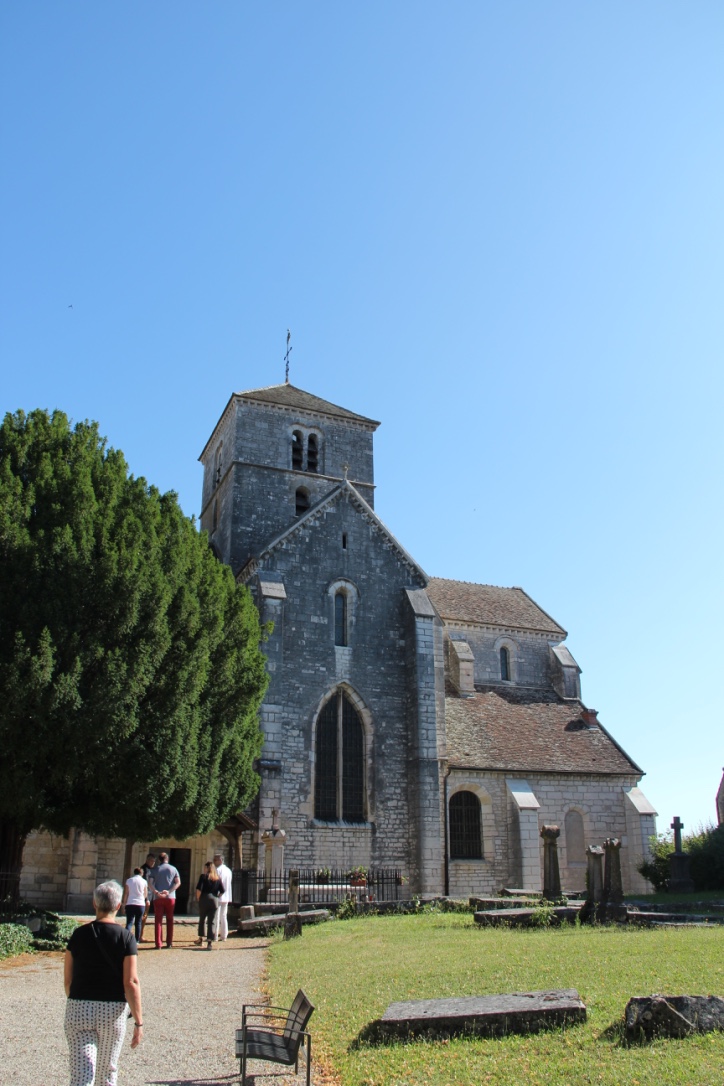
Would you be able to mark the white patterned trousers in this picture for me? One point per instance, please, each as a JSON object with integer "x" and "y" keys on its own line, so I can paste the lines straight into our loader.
{"x": 95, "y": 1032}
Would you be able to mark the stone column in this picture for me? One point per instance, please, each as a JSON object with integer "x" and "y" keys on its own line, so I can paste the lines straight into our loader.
{"x": 612, "y": 906}
{"x": 551, "y": 872}
{"x": 594, "y": 887}
{"x": 273, "y": 840}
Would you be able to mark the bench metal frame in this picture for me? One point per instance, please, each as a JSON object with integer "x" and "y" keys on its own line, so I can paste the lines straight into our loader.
{"x": 275, "y": 1034}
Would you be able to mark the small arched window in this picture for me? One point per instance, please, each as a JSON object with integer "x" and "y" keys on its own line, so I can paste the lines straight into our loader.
{"x": 301, "y": 500}
{"x": 312, "y": 453}
{"x": 339, "y": 782}
{"x": 297, "y": 450}
{"x": 466, "y": 841}
{"x": 217, "y": 464}
{"x": 340, "y": 619}
{"x": 505, "y": 664}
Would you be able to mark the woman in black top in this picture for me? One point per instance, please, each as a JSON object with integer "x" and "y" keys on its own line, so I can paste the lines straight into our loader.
{"x": 100, "y": 978}
{"x": 209, "y": 889}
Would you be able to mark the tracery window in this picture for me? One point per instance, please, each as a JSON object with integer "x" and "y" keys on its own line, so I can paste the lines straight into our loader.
{"x": 466, "y": 841}
{"x": 339, "y": 792}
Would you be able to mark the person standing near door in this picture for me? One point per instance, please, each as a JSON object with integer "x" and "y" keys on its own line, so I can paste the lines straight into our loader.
{"x": 145, "y": 868}
{"x": 165, "y": 881}
{"x": 224, "y": 873}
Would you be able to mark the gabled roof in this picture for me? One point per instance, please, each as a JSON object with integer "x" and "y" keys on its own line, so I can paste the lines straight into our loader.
{"x": 525, "y": 730}
{"x": 487, "y": 605}
{"x": 287, "y": 395}
{"x": 341, "y": 490}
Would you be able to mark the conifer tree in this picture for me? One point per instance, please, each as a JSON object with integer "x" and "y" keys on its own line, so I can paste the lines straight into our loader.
{"x": 130, "y": 669}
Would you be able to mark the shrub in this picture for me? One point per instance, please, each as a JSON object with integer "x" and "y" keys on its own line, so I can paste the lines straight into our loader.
{"x": 706, "y": 849}
{"x": 656, "y": 869}
{"x": 14, "y": 939}
{"x": 55, "y": 932}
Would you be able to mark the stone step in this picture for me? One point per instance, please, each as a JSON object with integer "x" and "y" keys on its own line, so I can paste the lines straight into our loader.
{"x": 259, "y": 925}
{"x": 641, "y": 916}
{"x": 523, "y": 918}
{"x": 674, "y": 906}
{"x": 487, "y": 1016}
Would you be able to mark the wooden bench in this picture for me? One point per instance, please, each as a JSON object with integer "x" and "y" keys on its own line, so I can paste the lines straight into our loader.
{"x": 275, "y": 1034}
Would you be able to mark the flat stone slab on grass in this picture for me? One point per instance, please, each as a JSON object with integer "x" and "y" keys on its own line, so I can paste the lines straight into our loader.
{"x": 522, "y": 918}
{"x": 487, "y": 1016}
{"x": 259, "y": 925}
{"x": 673, "y": 1016}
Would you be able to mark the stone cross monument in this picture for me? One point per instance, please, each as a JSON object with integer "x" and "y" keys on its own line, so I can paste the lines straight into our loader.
{"x": 680, "y": 881}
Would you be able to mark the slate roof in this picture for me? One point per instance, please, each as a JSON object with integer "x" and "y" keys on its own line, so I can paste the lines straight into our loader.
{"x": 289, "y": 396}
{"x": 487, "y": 605}
{"x": 527, "y": 731}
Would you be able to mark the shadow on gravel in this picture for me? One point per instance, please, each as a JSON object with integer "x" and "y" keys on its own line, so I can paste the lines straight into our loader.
{"x": 251, "y": 1080}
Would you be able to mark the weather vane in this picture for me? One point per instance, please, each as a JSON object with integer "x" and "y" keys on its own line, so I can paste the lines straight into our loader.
{"x": 286, "y": 357}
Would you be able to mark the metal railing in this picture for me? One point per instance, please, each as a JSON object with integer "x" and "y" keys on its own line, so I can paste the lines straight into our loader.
{"x": 318, "y": 886}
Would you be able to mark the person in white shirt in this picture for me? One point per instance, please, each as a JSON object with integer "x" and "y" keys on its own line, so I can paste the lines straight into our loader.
{"x": 224, "y": 873}
{"x": 135, "y": 897}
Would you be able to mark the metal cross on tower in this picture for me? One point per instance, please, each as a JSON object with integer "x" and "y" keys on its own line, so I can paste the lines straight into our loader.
{"x": 286, "y": 357}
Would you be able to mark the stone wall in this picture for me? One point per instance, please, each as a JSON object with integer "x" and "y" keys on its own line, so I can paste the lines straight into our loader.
{"x": 529, "y": 653}
{"x": 345, "y": 547}
{"x": 601, "y": 802}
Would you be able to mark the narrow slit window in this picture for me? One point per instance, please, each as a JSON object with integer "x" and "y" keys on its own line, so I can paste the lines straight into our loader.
{"x": 301, "y": 501}
{"x": 297, "y": 451}
{"x": 344, "y": 541}
{"x": 217, "y": 465}
{"x": 312, "y": 453}
{"x": 505, "y": 664}
{"x": 340, "y": 618}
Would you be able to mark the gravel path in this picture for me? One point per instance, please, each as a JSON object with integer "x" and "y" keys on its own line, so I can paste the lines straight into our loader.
{"x": 191, "y": 1006}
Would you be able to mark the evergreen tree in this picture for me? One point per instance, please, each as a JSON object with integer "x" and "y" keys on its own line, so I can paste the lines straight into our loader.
{"x": 130, "y": 669}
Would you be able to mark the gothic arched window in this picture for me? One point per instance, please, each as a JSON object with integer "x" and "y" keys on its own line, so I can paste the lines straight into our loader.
{"x": 505, "y": 664}
{"x": 340, "y": 619}
{"x": 297, "y": 450}
{"x": 339, "y": 792}
{"x": 301, "y": 501}
{"x": 466, "y": 842}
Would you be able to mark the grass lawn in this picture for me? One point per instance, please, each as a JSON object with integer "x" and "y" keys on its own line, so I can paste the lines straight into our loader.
{"x": 352, "y": 969}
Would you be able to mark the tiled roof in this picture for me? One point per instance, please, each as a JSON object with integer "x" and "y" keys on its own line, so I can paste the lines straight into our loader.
{"x": 288, "y": 396}
{"x": 461, "y": 601}
{"x": 527, "y": 731}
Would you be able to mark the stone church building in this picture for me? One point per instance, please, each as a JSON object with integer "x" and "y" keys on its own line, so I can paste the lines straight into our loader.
{"x": 411, "y": 721}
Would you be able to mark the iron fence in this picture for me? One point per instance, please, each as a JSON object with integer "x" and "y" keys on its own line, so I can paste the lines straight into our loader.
{"x": 318, "y": 886}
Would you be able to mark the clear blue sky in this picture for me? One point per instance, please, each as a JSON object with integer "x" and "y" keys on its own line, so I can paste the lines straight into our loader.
{"x": 498, "y": 228}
